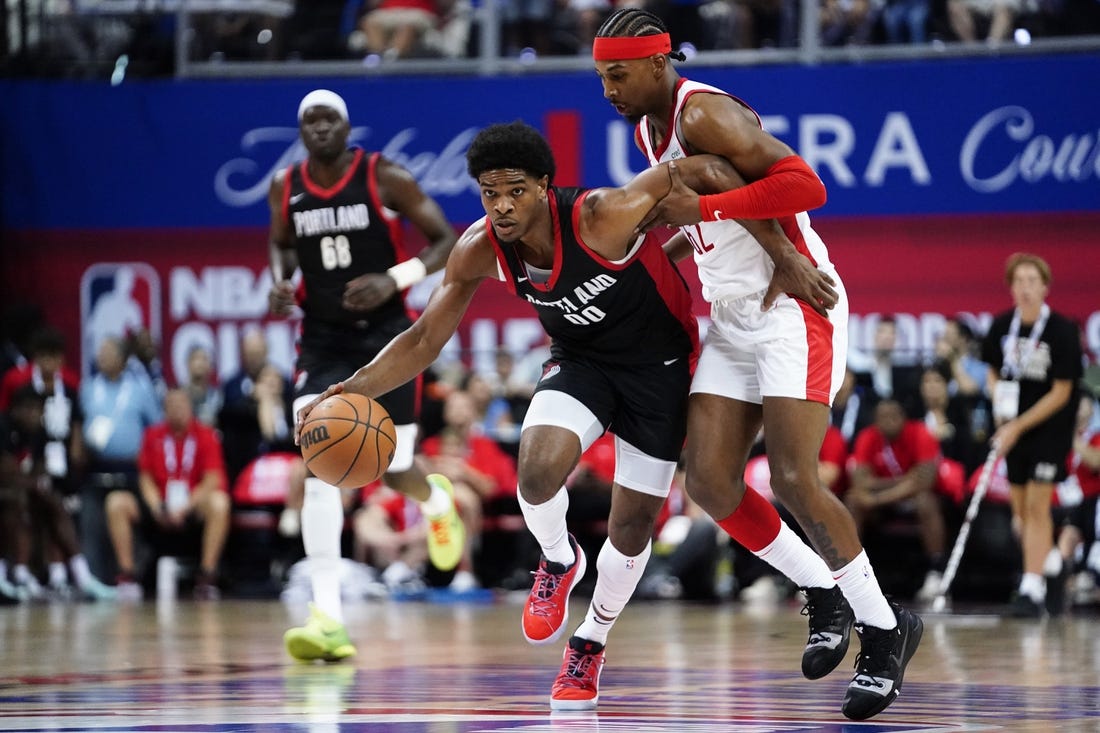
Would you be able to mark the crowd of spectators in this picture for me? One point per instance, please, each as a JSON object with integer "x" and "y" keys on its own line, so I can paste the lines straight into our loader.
{"x": 114, "y": 37}
{"x": 102, "y": 475}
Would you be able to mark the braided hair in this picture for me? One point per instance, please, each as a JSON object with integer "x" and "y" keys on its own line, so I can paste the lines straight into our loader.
{"x": 631, "y": 22}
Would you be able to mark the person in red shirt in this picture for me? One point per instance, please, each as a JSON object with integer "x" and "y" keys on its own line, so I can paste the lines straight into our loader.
{"x": 58, "y": 385}
{"x": 396, "y": 28}
{"x": 480, "y": 471}
{"x": 181, "y": 483}
{"x": 47, "y": 352}
{"x": 389, "y": 536}
{"x": 1077, "y": 536}
{"x": 832, "y": 461}
{"x": 894, "y": 466}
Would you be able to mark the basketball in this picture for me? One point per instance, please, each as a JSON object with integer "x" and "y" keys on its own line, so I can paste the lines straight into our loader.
{"x": 348, "y": 440}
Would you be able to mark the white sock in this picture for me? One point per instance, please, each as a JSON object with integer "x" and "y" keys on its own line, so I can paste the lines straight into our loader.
{"x": 1034, "y": 587}
{"x": 788, "y": 554}
{"x": 58, "y": 575}
{"x": 322, "y": 525}
{"x": 617, "y": 577}
{"x": 22, "y": 575}
{"x": 860, "y": 586}
{"x": 546, "y": 522}
{"x": 82, "y": 574}
{"x": 1052, "y": 566}
{"x": 1092, "y": 560}
{"x": 438, "y": 503}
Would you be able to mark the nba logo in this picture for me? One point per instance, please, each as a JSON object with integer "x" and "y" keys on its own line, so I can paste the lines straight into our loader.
{"x": 116, "y": 299}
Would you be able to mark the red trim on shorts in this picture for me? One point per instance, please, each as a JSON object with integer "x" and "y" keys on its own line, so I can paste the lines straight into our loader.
{"x": 794, "y": 233}
{"x": 754, "y": 523}
{"x": 819, "y": 354}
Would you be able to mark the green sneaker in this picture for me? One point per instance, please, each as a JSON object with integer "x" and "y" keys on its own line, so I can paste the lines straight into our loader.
{"x": 94, "y": 590}
{"x": 446, "y": 533}
{"x": 322, "y": 637}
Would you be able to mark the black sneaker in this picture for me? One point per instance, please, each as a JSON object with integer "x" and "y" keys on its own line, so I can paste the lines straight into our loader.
{"x": 1056, "y": 591}
{"x": 1023, "y": 606}
{"x": 831, "y": 620}
{"x": 880, "y": 665}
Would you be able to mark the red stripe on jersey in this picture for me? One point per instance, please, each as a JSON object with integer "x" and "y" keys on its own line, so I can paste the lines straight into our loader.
{"x": 286, "y": 194}
{"x": 794, "y": 233}
{"x": 673, "y": 290}
{"x": 502, "y": 263}
{"x": 326, "y": 193}
{"x": 549, "y": 285}
{"x": 670, "y": 125}
{"x": 393, "y": 224}
{"x": 819, "y": 354}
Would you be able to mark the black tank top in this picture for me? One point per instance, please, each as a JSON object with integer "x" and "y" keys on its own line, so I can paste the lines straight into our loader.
{"x": 636, "y": 311}
{"x": 341, "y": 233}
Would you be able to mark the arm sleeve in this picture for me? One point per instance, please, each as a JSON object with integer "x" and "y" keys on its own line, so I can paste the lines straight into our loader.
{"x": 788, "y": 188}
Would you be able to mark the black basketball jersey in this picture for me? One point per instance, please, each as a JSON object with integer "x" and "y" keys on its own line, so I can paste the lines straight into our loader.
{"x": 1057, "y": 355}
{"x": 635, "y": 311}
{"x": 341, "y": 233}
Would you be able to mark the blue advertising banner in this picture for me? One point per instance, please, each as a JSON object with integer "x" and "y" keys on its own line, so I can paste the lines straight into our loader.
{"x": 962, "y": 136}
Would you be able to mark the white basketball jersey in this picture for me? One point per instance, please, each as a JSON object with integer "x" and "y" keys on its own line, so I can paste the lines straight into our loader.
{"x": 731, "y": 262}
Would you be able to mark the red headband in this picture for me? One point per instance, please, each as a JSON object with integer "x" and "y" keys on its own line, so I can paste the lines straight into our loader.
{"x": 631, "y": 47}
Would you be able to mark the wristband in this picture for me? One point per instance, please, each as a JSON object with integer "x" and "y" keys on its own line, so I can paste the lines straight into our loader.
{"x": 408, "y": 273}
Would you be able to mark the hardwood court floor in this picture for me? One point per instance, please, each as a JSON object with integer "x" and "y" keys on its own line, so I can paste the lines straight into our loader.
{"x": 184, "y": 667}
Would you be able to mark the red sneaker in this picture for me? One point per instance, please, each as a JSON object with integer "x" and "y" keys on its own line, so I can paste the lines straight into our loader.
{"x": 547, "y": 607}
{"x": 577, "y": 685}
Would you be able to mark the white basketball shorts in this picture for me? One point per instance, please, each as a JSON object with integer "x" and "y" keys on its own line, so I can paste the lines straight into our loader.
{"x": 788, "y": 351}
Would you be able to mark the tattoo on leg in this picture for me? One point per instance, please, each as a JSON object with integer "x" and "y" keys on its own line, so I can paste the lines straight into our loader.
{"x": 823, "y": 541}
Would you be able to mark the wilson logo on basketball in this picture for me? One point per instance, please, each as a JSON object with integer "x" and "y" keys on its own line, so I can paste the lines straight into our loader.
{"x": 314, "y": 436}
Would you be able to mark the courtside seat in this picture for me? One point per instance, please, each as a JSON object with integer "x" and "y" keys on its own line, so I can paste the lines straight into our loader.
{"x": 259, "y": 496}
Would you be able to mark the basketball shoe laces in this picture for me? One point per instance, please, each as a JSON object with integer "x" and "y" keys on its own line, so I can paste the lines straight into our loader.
{"x": 580, "y": 670}
{"x": 874, "y": 659}
{"x": 823, "y": 618}
{"x": 546, "y": 587}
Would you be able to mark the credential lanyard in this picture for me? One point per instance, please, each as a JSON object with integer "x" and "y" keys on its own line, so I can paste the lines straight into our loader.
{"x": 185, "y": 464}
{"x": 891, "y": 461}
{"x": 1014, "y": 359}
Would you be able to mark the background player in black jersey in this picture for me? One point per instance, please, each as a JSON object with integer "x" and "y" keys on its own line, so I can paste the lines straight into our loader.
{"x": 1034, "y": 355}
{"x": 623, "y": 346}
{"x": 332, "y": 216}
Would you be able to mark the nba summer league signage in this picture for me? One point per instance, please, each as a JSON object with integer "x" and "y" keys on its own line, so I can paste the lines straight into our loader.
{"x": 936, "y": 171}
{"x": 947, "y": 136}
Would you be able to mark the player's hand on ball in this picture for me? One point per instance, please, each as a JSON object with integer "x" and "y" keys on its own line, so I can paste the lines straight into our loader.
{"x": 303, "y": 414}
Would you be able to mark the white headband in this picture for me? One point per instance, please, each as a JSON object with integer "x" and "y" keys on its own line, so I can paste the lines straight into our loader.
{"x": 323, "y": 98}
